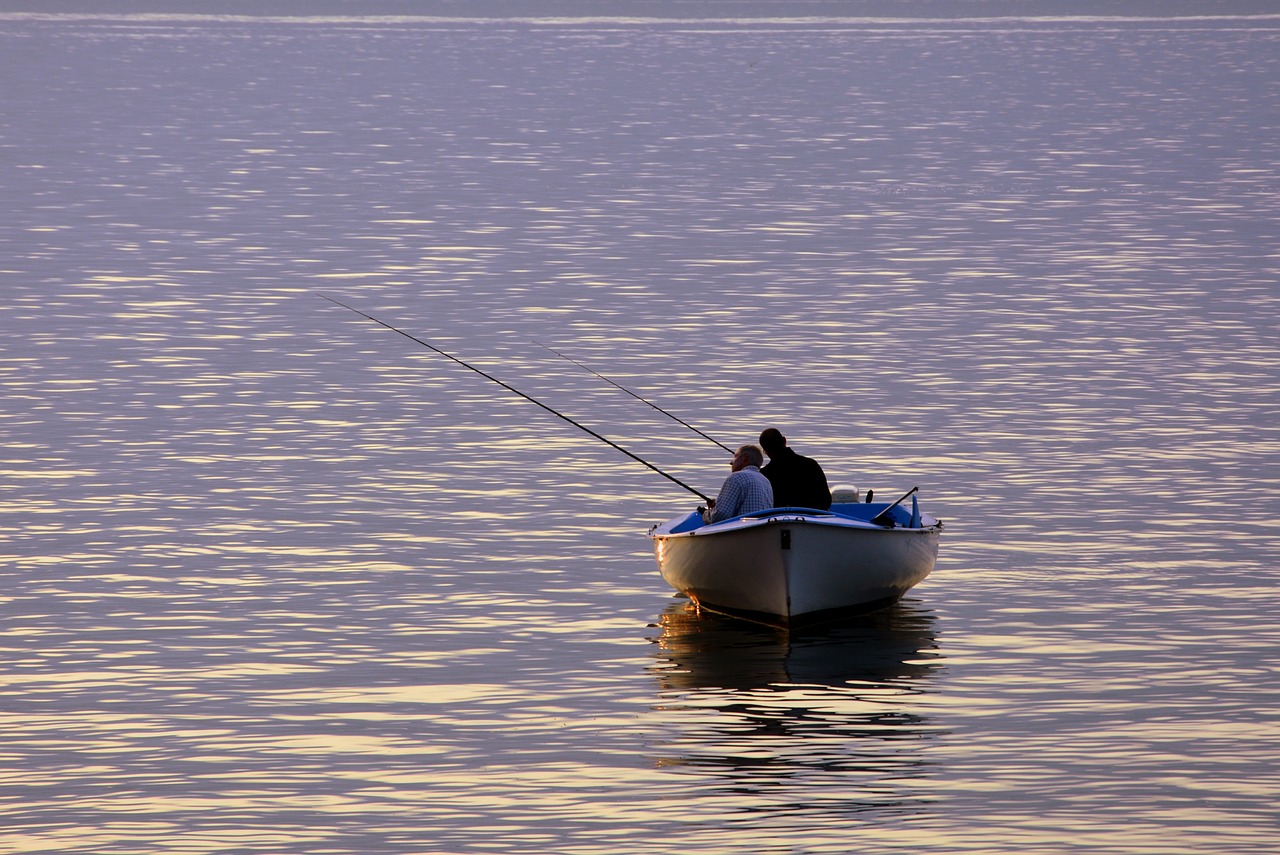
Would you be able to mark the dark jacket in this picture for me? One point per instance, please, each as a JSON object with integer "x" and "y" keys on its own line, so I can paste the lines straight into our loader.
{"x": 798, "y": 482}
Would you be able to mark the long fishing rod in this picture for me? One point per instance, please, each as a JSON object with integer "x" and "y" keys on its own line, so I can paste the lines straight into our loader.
{"x": 528, "y": 398}
{"x": 634, "y": 395}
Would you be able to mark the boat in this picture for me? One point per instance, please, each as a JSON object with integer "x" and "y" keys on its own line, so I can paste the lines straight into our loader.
{"x": 785, "y": 566}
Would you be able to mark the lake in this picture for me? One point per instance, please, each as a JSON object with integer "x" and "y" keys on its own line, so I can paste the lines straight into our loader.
{"x": 279, "y": 580}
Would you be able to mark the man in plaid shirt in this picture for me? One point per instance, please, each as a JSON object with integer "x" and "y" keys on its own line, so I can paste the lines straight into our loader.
{"x": 745, "y": 491}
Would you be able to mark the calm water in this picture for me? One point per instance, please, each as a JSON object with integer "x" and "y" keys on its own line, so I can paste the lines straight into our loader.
{"x": 277, "y": 580}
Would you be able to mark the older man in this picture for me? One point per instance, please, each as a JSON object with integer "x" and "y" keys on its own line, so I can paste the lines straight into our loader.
{"x": 745, "y": 491}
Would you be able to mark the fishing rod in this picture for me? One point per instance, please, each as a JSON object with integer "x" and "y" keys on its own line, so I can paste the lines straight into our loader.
{"x": 528, "y": 398}
{"x": 634, "y": 395}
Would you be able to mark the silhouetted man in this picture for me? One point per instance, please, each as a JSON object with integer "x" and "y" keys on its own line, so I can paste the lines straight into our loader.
{"x": 798, "y": 482}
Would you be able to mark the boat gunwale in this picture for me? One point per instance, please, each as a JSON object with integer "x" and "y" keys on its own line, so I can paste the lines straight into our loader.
{"x": 770, "y": 516}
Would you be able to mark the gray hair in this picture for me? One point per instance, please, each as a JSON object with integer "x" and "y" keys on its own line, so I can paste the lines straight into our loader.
{"x": 754, "y": 455}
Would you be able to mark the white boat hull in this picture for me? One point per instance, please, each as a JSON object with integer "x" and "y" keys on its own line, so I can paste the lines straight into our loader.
{"x": 789, "y": 564}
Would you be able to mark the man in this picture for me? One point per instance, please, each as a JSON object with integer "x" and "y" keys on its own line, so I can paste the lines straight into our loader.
{"x": 798, "y": 482}
{"x": 745, "y": 491}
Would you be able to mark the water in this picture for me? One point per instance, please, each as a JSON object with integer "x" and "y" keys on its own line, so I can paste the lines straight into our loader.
{"x": 280, "y": 581}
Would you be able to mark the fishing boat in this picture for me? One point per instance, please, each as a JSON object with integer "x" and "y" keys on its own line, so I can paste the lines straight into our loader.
{"x": 797, "y": 565}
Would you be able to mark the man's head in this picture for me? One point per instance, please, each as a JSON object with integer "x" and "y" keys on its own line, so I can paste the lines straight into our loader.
{"x": 773, "y": 441}
{"x": 747, "y": 455}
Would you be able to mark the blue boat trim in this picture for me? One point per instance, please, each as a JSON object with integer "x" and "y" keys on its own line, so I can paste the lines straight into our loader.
{"x": 860, "y": 512}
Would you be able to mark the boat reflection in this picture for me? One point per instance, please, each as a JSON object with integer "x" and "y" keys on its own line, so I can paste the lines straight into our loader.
{"x": 757, "y": 708}
{"x": 702, "y": 650}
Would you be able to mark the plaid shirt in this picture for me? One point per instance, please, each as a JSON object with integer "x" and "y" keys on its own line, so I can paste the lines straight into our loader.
{"x": 744, "y": 492}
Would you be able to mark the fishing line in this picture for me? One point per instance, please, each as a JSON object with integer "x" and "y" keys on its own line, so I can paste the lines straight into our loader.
{"x": 516, "y": 391}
